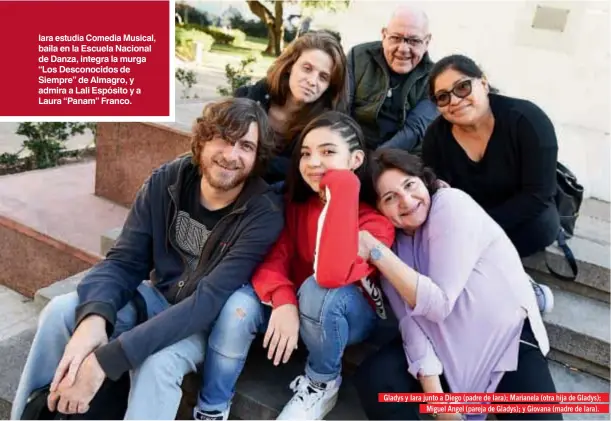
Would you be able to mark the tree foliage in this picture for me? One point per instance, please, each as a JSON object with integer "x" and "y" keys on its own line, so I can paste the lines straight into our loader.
{"x": 271, "y": 14}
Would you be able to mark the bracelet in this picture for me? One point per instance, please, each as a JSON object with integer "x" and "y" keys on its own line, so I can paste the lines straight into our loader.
{"x": 376, "y": 252}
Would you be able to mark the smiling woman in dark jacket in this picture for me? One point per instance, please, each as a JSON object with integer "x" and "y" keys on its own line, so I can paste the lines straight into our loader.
{"x": 307, "y": 79}
{"x": 500, "y": 150}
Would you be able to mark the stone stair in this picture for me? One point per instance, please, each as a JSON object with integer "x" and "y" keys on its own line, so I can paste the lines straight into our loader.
{"x": 578, "y": 328}
{"x": 17, "y": 327}
{"x": 262, "y": 389}
{"x": 579, "y": 325}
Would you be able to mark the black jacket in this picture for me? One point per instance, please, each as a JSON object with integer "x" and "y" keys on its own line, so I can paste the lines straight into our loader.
{"x": 146, "y": 250}
{"x": 369, "y": 82}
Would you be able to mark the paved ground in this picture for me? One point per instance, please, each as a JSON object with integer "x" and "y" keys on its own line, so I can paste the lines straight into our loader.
{"x": 18, "y": 313}
{"x": 209, "y": 77}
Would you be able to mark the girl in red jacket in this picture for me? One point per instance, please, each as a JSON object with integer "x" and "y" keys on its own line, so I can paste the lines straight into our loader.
{"x": 315, "y": 283}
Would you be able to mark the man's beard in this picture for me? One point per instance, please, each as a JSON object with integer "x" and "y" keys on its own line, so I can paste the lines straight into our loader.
{"x": 211, "y": 171}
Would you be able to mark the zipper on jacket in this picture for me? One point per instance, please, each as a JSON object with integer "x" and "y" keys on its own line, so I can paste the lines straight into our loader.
{"x": 387, "y": 81}
{"x": 387, "y": 87}
{"x": 181, "y": 284}
{"x": 197, "y": 273}
{"x": 170, "y": 239}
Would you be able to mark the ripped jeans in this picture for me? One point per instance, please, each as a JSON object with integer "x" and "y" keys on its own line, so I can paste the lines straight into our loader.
{"x": 330, "y": 319}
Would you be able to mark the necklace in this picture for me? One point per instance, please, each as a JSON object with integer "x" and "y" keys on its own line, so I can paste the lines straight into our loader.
{"x": 389, "y": 93}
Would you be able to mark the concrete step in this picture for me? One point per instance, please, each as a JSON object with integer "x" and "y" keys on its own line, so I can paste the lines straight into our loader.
{"x": 17, "y": 327}
{"x": 18, "y": 313}
{"x": 108, "y": 239}
{"x": 255, "y": 400}
{"x": 13, "y": 353}
{"x": 5, "y": 409}
{"x": 259, "y": 397}
{"x": 263, "y": 389}
{"x": 579, "y": 325}
{"x": 578, "y": 330}
{"x": 44, "y": 295}
{"x": 592, "y": 250}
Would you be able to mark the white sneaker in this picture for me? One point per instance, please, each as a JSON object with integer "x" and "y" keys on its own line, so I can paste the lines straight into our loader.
{"x": 311, "y": 401}
{"x": 199, "y": 414}
{"x": 545, "y": 297}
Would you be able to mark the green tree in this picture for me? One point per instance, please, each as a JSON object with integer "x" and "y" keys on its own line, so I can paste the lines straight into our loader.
{"x": 271, "y": 14}
{"x": 46, "y": 141}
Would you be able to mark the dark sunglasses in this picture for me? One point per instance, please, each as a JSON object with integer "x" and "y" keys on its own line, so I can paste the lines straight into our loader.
{"x": 460, "y": 90}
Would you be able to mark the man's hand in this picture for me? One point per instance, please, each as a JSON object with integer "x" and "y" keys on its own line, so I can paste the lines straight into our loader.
{"x": 75, "y": 398}
{"x": 89, "y": 335}
{"x": 282, "y": 333}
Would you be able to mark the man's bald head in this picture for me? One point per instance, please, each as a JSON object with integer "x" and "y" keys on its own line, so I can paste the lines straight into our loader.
{"x": 405, "y": 38}
{"x": 409, "y": 14}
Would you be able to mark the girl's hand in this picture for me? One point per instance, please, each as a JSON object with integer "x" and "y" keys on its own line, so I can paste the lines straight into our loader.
{"x": 366, "y": 243}
{"x": 342, "y": 179}
{"x": 282, "y": 333}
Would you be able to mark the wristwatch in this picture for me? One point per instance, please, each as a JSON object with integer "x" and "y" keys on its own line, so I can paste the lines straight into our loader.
{"x": 376, "y": 252}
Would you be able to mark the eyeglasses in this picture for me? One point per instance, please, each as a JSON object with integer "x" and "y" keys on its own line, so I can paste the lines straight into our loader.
{"x": 461, "y": 90}
{"x": 411, "y": 41}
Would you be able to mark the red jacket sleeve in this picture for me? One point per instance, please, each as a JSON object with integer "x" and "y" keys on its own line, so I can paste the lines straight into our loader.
{"x": 336, "y": 261}
{"x": 271, "y": 280}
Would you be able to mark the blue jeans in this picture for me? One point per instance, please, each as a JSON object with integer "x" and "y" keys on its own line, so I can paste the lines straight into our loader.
{"x": 330, "y": 320}
{"x": 155, "y": 391}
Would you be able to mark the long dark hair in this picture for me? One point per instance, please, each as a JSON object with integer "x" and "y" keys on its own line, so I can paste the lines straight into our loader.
{"x": 350, "y": 131}
{"x": 383, "y": 160}
{"x": 461, "y": 64}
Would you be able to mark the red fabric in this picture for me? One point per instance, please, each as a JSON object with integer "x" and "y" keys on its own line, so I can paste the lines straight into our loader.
{"x": 291, "y": 260}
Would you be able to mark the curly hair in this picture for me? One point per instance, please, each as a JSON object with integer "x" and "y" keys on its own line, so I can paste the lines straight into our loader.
{"x": 230, "y": 119}
{"x": 383, "y": 160}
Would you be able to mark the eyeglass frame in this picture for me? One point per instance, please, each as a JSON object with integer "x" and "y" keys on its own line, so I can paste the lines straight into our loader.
{"x": 412, "y": 41}
{"x": 453, "y": 92}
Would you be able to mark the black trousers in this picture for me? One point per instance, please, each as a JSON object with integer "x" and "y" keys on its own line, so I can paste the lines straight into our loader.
{"x": 536, "y": 234}
{"x": 386, "y": 371}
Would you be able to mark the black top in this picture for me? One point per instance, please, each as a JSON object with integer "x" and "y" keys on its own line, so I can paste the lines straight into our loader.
{"x": 516, "y": 178}
{"x": 190, "y": 203}
{"x": 194, "y": 222}
{"x": 391, "y": 111}
{"x": 146, "y": 250}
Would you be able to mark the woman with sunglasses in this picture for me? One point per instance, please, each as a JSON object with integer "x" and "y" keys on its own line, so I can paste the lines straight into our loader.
{"x": 502, "y": 151}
